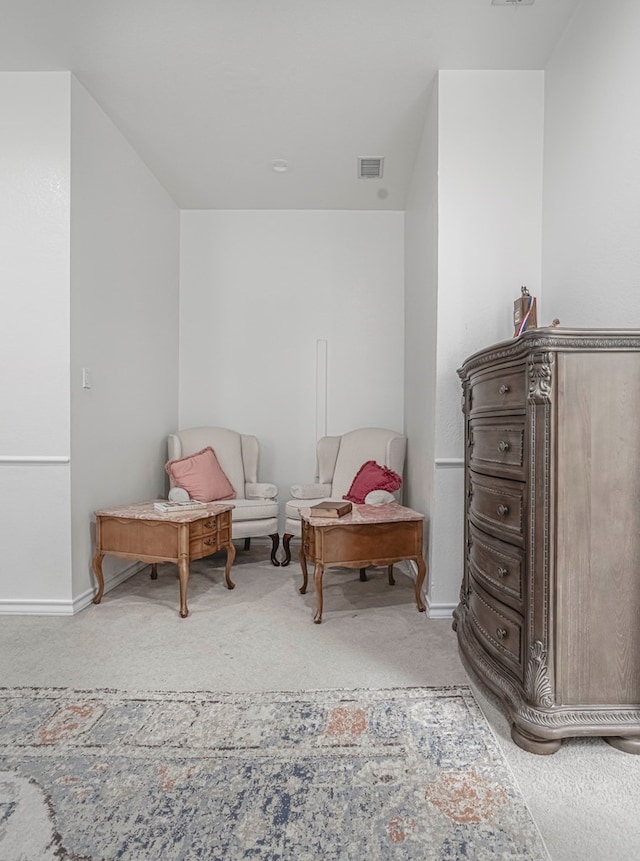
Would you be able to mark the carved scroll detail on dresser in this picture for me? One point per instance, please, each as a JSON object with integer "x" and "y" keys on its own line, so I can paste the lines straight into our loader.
{"x": 536, "y": 681}
{"x": 540, "y": 377}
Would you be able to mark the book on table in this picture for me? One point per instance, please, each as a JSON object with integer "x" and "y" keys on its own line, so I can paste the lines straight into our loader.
{"x": 172, "y": 506}
{"x": 331, "y": 508}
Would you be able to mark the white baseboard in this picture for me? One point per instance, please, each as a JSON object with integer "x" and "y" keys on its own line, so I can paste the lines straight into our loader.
{"x": 55, "y": 607}
{"x": 440, "y": 611}
{"x": 110, "y": 583}
{"x": 434, "y": 611}
{"x": 35, "y": 607}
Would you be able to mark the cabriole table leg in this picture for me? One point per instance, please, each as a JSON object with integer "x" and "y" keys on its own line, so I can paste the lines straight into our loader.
{"x": 305, "y": 573}
{"x": 317, "y": 579}
{"x": 422, "y": 571}
{"x": 97, "y": 570}
{"x": 231, "y": 555}
{"x": 183, "y": 571}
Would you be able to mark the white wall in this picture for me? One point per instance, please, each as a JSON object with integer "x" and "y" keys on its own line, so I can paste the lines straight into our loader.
{"x": 34, "y": 340}
{"x": 421, "y": 317}
{"x": 125, "y": 234}
{"x": 90, "y": 251}
{"x": 591, "y": 251}
{"x": 490, "y": 136}
{"x": 258, "y": 290}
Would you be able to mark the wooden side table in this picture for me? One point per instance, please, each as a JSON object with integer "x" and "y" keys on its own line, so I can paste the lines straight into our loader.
{"x": 368, "y": 535}
{"x": 139, "y": 532}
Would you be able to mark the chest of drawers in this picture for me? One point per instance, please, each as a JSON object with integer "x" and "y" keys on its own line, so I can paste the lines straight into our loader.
{"x": 549, "y": 612}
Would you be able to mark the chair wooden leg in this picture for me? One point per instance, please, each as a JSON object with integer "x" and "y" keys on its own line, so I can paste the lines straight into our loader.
{"x": 247, "y": 543}
{"x": 286, "y": 538}
{"x": 392, "y": 582}
{"x": 363, "y": 575}
{"x": 275, "y": 542}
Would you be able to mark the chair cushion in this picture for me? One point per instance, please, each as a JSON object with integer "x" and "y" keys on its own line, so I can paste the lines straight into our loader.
{"x": 253, "y": 509}
{"x": 372, "y": 476}
{"x": 201, "y": 476}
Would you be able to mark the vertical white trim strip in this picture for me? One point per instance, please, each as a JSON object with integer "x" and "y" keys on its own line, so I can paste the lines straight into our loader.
{"x": 321, "y": 388}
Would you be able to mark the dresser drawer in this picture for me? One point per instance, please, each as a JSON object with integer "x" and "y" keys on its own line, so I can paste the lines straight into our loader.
{"x": 504, "y": 389}
{"x": 498, "y": 566}
{"x": 497, "y": 447}
{"x": 498, "y": 627}
{"x": 497, "y": 506}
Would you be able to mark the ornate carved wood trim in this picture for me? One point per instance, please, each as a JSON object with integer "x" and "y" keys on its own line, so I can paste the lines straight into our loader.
{"x": 554, "y": 339}
{"x": 540, "y": 377}
{"x": 536, "y": 681}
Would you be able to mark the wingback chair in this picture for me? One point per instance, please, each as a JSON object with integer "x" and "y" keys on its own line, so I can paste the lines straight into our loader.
{"x": 255, "y": 511}
{"x": 338, "y": 460}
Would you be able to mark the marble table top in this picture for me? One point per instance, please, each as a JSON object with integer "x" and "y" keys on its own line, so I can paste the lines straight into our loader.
{"x": 146, "y": 511}
{"x": 391, "y": 512}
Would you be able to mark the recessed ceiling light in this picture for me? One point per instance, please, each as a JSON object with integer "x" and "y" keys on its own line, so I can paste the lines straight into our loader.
{"x": 280, "y": 165}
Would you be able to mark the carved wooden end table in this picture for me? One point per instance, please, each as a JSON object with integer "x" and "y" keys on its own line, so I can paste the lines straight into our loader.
{"x": 368, "y": 535}
{"x": 140, "y": 532}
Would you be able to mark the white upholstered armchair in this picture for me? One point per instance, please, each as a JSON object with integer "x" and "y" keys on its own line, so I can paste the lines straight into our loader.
{"x": 255, "y": 511}
{"x": 338, "y": 460}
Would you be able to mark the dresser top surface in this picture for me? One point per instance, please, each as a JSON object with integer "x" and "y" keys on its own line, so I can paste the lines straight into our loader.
{"x": 556, "y": 339}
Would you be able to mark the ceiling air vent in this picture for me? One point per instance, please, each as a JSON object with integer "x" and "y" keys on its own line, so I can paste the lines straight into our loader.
{"x": 370, "y": 168}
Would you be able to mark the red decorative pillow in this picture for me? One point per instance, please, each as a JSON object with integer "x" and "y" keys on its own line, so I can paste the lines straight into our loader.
{"x": 201, "y": 476}
{"x": 372, "y": 476}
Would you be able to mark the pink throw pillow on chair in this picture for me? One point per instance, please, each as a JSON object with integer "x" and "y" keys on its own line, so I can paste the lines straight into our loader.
{"x": 372, "y": 476}
{"x": 201, "y": 475}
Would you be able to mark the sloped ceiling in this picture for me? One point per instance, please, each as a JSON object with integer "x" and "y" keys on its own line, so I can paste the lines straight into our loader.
{"x": 211, "y": 92}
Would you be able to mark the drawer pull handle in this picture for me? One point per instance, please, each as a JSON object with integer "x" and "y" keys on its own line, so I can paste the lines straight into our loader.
{"x": 501, "y": 633}
{"x": 209, "y": 542}
{"x": 503, "y": 446}
{"x": 208, "y": 524}
{"x": 503, "y": 389}
{"x": 502, "y": 572}
{"x": 503, "y": 510}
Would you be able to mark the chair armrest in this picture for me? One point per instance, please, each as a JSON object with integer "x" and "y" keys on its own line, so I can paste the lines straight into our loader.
{"x": 260, "y": 490}
{"x": 310, "y": 491}
{"x": 178, "y": 494}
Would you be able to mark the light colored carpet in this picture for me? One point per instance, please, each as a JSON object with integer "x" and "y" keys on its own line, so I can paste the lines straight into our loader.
{"x": 260, "y": 637}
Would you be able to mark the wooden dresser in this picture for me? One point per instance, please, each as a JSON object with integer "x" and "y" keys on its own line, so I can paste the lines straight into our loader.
{"x": 549, "y": 613}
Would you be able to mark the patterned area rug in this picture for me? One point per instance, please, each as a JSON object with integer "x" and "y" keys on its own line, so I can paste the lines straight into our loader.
{"x": 333, "y": 775}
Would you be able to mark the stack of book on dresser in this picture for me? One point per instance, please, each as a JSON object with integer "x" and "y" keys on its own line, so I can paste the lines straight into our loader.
{"x": 331, "y": 508}
{"x": 170, "y": 506}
